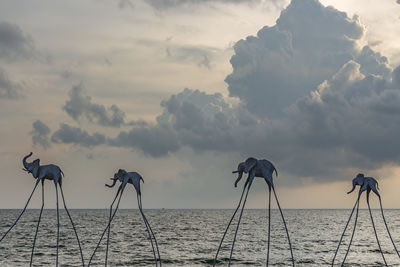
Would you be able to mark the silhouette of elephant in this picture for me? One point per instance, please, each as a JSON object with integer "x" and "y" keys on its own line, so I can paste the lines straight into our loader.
{"x": 262, "y": 169}
{"x": 42, "y": 173}
{"x": 125, "y": 178}
{"x": 366, "y": 184}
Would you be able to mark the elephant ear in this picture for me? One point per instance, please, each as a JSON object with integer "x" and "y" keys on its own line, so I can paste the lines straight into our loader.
{"x": 35, "y": 169}
{"x": 249, "y": 164}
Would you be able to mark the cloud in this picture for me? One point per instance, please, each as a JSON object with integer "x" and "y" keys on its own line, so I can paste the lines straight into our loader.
{"x": 40, "y": 134}
{"x": 311, "y": 100}
{"x": 14, "y": 43}
{"x": 169, "y": 4}
{"x": 8, "y": 89}
{"x": 202, "y": 56}
{"x": 308, "y": 44}
{"x": 72, "y": 135}
{"x": 193, "y": 119}
{"x": 80, "y": 105}
{"x": 125, "y": 3}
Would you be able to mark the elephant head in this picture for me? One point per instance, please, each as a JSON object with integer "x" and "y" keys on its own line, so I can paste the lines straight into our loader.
{"x": 117, "y": 176}
{"x": 31, "y": 167}
{"x": 358, "y": 180}
{"x": 245, "y": 167}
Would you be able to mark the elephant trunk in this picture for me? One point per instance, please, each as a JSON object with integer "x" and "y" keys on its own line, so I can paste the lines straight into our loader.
{"x": 239, "y": 176}
{"x": 354, "y": 187}
{"x": 114, "y": 182}
{"x": 24, "y": 160}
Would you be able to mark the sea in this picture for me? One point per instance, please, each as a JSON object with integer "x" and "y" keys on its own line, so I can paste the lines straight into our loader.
{"x": 190, "y": 237}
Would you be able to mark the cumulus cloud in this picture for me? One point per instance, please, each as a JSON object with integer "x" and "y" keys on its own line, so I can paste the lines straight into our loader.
{"x": 8, "y": 89}
{"x": 308, "y": 44}
{"x": 81, "y": 105}
{"x": 14, "y": 43}
{"x": 73, "y": 135}
{"x": 40, "y": 134}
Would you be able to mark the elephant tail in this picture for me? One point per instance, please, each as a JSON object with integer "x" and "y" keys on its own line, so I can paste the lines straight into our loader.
{"x": 63, "y": 175}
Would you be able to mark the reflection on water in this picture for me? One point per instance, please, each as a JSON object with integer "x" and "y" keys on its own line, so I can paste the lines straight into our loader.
{"x": 191, "y": 238}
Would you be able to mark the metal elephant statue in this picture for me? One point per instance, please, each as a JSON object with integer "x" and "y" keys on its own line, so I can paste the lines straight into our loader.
{"x": 366, "y": 184}
{"x": 262, "y": 169}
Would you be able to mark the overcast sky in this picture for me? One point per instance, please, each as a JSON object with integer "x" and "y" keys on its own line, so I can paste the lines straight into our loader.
{"x": 181, "y": 91}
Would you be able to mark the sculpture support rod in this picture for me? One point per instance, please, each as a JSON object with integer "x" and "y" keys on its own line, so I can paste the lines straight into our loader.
{"x": 73, "y": 226}
{"x": 354, "y": 229}
{"x": 373, "y": 226}
{"x": 269, "y": 222}
{"x": 284, "y": 223}
{"x": 37, "y": 226}
{"x": 344, "y": 231}
{"x": 101, "y": 238}
{"x": 26, "y": 205}
{"x": 58, "y": 226}
{"x": 237, "y": 226}
{"x": 226, "y": 230}
{"x": 387, "y": 228}
{"x": 148, "y": 230}
{"x": 109, "y": 228}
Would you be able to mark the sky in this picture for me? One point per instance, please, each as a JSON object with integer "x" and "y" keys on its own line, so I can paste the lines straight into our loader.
{"x": 182, "y": 91}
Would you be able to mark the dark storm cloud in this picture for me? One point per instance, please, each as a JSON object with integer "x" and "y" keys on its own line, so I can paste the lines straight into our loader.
{"x": 308, "y": 44}
{"x": 81, "y": 105}
{"x": 40, "y": 134}
{"x": 14, "y": 43}
{"x": 73, "y": 135}
{"x": 191, "y": 118}
{"x": 8, "y": 89}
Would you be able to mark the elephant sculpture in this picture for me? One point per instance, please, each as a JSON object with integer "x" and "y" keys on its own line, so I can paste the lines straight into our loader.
{"x": 41, "y": 173}
{"x": 125, "y": 178}
{"x": 262, "y": 169}
{"x": 366, "y": 184}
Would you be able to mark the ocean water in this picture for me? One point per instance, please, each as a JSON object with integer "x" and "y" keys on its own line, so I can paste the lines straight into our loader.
{"x": 191, "y": 238}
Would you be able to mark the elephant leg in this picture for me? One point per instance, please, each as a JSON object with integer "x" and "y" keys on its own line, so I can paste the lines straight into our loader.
{"x": 373, "y": 226}
{"x": 269, "y": 222}
{"x": 284, "y": 223}
{"x": 58, "y": 225}
{"x": 148, "y": 229}
{"x": 387, "y": 228}
{"x": 354, "y": 228}
{"x": 38, "y": 223}
{"x": 109, "y": 228}
{"x": 120, "y": 191}
{"x": 26, "y": 205}
{"x": 226, "y": 230}
{"x": 238, "y": 223}
{"x": 344, "y": 231}
{"x": 148, "y": 224}
{"x": 73, "y": 226}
